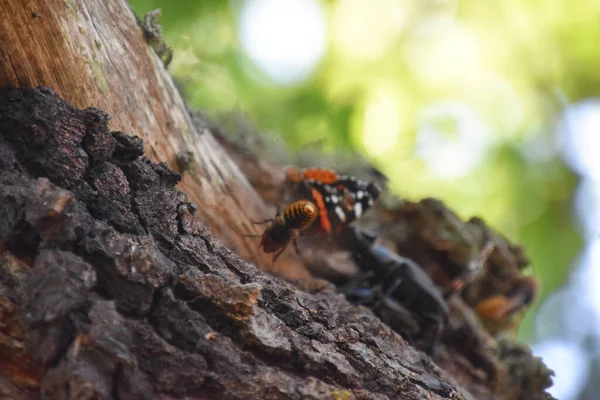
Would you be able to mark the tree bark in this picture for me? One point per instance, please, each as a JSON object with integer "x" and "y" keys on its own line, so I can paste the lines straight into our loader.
{"x": 111, "y": 287}
{"x": 93, "y": 53}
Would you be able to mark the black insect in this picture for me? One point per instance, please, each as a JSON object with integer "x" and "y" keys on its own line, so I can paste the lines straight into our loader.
{"x": 396, "y": 288}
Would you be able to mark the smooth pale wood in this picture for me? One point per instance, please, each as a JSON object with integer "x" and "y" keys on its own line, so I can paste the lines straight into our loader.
{"x": 92, "y": 53}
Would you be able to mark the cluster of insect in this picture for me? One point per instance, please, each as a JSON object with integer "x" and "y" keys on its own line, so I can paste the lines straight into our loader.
{"x": 330, "y": 202}
{"x": 396, "y": 288}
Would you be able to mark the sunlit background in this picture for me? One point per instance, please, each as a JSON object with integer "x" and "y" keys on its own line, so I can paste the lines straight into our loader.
{"x": 490, "y": 106}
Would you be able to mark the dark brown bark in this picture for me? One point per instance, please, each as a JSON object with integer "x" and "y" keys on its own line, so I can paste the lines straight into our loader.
{"x": 110, "y": 287}
{"x": 93, "y": 53}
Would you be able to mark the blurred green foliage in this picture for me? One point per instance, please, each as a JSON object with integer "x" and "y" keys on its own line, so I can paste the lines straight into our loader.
{"x": 506, "y": 62}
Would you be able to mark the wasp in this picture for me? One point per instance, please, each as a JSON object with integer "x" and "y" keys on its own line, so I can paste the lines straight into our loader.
{"x": 498, "y": 309}
{"x": 285, "y": 228}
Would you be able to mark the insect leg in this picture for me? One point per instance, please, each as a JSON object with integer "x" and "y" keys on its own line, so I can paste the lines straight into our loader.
{"x": 433, "y": 345}
{"x": 356, "y": 281}
{"x": 276, "y": 256}
{"x": 310, "y": 232}
{"x": 396, "y": 280}
{"x": 261, "y": 222}
{"x": 278, "y": 212}
{"x": 296, "y": 246}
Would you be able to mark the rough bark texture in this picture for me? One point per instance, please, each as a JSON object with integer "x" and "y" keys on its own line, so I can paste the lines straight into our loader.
{"x": 93, "y": 53}
{"x": 476, "y": 347}
{"x": 110, "y": 287}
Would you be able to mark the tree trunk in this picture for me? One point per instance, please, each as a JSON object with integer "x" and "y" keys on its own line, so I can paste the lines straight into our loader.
{"x": 111, "y": 287}
{"x": 93, "y": 53}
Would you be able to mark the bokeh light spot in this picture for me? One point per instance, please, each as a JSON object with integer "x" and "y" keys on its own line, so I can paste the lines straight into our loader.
{"x": 579, "y": 132}
{"x": 286, "y": 38}
{"x": 569, "y": 363}
{"x": 587, "y": 206}
{"x": 587, "y": 276}
{"x": 366, "y": 29}
{"x": 448, "y": 57}
{"x": 566, "y": 314}
{"x": 381, "y": 125}
{"x": 451, "y": 139}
